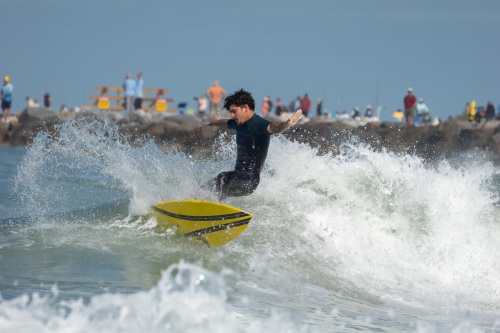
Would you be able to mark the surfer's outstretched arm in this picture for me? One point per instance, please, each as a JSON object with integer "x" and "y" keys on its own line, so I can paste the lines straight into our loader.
{"x": 218, "y": 122}
{"x": 281, "y": 126}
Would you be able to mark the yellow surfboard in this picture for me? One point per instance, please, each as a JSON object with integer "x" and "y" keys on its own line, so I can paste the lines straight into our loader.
{"x": 211, "y": 223}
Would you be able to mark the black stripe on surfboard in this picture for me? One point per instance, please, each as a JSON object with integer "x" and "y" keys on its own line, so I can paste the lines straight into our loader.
{"x": 201, "y": 218}
{"x": 208, "y": 230}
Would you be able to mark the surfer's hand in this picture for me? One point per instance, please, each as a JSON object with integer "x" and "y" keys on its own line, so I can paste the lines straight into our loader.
{"x": 281, "y": 126}
{"x": 295, "y": 118}
{"x": 213, "y": 121}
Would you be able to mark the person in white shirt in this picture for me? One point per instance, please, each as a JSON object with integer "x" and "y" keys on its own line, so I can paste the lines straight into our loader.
{"x": 423, "y": 112}
{"x": 129, "y": 87}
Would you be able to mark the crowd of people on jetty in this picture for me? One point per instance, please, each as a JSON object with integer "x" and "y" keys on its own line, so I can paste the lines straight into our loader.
{"x": 479, "y": 115}
{"x": 6, "y": 95}
{"x": 414, "y": 112}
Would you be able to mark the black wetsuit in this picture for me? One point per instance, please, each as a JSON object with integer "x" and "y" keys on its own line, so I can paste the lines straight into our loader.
{"x": 252, "y": 140}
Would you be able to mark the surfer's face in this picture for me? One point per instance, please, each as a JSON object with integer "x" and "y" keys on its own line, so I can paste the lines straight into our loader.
{"x": 240, "y": 114}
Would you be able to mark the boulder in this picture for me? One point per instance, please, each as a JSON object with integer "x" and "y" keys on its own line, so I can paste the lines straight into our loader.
{"x": 31, "y": 122}
{"x": 38, "y": 115}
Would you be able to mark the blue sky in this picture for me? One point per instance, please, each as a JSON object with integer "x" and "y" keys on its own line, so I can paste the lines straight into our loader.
{"x": 348, "y": 52}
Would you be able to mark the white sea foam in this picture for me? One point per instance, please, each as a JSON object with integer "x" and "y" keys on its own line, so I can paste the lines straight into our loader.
{"x": 366, "y": 225}
{"x": 187, "y": 298}
{"x": 393, "y": 226}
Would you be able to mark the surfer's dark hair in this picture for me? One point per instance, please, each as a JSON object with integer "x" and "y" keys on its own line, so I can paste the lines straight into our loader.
{"x": 239, "y": 98}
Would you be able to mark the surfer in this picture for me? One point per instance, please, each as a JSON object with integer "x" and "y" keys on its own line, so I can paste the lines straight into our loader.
{"x": 253, "y": 134}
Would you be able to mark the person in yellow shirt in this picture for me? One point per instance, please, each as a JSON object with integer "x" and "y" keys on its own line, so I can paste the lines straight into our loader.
{"x": 398, "y": 116}
{"x": 472, "y": 111}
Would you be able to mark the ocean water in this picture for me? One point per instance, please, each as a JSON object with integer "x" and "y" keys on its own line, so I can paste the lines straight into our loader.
{"x": 364, "y": 241}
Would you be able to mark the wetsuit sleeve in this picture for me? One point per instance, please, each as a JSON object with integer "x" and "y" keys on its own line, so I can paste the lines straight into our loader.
{"x": 263, "y": 123}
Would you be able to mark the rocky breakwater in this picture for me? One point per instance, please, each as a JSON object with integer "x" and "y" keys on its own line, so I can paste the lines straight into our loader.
{"x": 24, "y": 126}
{"x": 188, "y": 134}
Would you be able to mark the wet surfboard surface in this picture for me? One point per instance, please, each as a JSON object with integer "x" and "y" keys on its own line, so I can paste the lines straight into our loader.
{"x": 211, "y": 223}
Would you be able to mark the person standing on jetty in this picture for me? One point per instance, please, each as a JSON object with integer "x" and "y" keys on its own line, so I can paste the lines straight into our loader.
{"x": 6, "y": 95}
{"x": 490, "y": 111}
{"x": 264, "y": 110}
{"x": 423, "y": 112}
{"x": 319, "y": 107}
{"x": 279, "y": 107}
{"x": 305, "y": 105}
{"x": 47, "y": 100}
{"x": 410, "y": 102}
{"x": 129, "y": 87}
{"x": 471, "y": 111}
{"x": 215, "y": 94}
{"x": 202, "y": 105}
{"x": 138, "y": 93}
{"x": 253, "y": 134}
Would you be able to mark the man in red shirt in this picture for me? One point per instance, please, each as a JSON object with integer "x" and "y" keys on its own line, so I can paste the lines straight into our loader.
{"x": 305, "y": 105}
{"x": 410, "y": 102}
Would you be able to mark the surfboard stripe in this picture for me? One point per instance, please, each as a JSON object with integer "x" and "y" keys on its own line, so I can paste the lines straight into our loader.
{"x": 192, "y": 219}
{"x": 201, "y": 218}
{"x": 208, "y": 230}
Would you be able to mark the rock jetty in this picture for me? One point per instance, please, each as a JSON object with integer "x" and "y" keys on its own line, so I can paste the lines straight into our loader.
{"x": 188, "y": 133}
